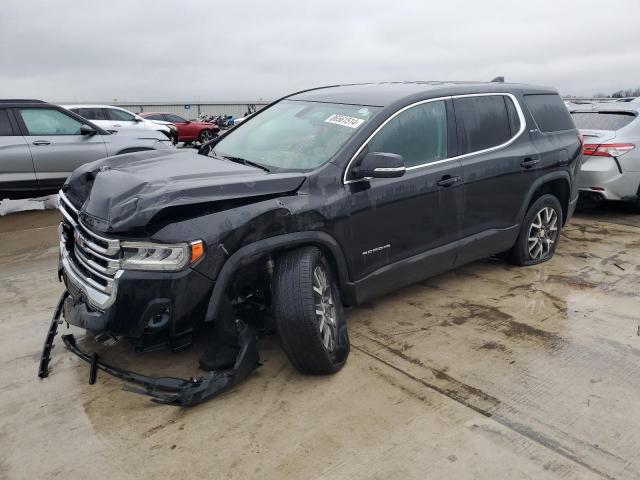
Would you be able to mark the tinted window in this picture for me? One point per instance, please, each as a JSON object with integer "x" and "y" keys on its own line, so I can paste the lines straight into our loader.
{"x": 155, "y": 116}
{"x": 174, "y": 118}
{"x": 5, "y": 125}
{"x": 483, "y": 122}
{"x": 120, "y": 115}
{"x": 47, "y": 121}
{"x": 549, "y": 112}
{"x": 602, "y": 120}
{"x": 90, "y": 113}
{"x": 419, "y": 134}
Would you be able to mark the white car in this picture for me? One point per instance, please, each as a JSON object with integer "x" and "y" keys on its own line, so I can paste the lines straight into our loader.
{"x": 113, "y": 118}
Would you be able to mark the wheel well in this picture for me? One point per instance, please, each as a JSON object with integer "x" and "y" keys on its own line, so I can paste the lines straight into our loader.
{"x": 252, "y": 272}
{"x": 560, "y": 189}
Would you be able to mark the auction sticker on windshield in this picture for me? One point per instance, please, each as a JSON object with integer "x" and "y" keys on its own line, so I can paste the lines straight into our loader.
{"x": 344, "y": 120}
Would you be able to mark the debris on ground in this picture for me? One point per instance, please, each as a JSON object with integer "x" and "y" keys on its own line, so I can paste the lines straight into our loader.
{"x": 50, "y": 202}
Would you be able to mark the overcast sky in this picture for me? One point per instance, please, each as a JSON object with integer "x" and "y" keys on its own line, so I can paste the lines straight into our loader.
{"x": 86, "y": 50}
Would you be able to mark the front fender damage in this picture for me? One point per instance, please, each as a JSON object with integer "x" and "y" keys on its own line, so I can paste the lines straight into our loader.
{"x": 166, "y": 390}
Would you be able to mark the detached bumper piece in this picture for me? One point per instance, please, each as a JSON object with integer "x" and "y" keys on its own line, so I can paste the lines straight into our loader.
{"x": 167, "y": 390}
{"x": 45, "y": 357}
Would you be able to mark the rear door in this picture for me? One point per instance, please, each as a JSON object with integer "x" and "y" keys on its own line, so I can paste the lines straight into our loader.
{"x": 17, "y": 176}
{"x": 392, "y": 220}
{"x": 56, "y": 144}
{"x": 499, "y": 164}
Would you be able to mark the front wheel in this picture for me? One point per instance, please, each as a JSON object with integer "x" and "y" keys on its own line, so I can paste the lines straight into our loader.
{"x": 539, "y": 233}
{"x": 309, "y": 315}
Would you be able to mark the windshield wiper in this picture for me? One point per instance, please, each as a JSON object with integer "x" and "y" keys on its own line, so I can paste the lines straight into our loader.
{"x": 243, "y": 161}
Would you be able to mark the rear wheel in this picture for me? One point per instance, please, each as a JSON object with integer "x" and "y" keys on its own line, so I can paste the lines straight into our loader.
{"x": 539, "y": 233}
{"x": 206, "y": 136}
{"x": 309, "y": 315}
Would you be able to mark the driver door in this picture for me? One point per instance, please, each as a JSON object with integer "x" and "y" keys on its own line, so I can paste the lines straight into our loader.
{"x": 407, "y": 228}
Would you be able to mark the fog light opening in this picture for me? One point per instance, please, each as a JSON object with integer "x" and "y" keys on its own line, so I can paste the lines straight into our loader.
{"x": 159, "y": 319}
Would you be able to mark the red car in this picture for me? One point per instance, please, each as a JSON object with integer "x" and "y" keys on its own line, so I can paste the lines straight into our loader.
{"x": 188, "y": 130}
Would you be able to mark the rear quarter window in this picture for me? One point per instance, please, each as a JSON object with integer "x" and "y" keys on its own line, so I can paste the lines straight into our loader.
{"x": 549, "y": 112}
{"x": 602, "y": 120}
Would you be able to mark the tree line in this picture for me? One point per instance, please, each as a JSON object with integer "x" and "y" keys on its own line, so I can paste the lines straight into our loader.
{"x": 628, "y": 92}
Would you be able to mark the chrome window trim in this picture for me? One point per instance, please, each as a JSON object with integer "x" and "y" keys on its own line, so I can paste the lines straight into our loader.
{"x": 523, "y": 126}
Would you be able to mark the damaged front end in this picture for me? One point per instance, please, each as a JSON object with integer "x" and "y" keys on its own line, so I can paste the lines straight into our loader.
{"x": 167, "y": 390}
{"x": 143, "y": 240}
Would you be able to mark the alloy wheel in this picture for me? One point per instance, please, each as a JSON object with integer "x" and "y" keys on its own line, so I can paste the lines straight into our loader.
{"x": 205, "y": 136}
{"x": 325, "y": 309}
{"x": 543, "y": 234}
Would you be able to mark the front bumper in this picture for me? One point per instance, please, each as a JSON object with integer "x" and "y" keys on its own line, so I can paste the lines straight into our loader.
{"x": 141, "y": 302}
{"x": 603, "y": 176}
{"x": 105, "y": 298}
{"x": 167, "y": 390}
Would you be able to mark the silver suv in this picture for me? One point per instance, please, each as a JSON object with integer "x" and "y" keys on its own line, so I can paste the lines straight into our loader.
{"x": 611, "y": 162}
{"x": 41, "y": 144}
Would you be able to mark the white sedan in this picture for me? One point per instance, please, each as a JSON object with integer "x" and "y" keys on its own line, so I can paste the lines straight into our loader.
{"x": 113, "y": 118}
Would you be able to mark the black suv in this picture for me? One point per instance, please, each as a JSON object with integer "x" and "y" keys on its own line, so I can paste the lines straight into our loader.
{"x": 327, "y": 197}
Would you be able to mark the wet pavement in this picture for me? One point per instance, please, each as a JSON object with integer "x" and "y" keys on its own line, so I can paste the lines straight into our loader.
{"x": 490, "y": 371}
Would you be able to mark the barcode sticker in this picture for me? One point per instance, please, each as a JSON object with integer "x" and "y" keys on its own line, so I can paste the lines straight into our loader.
{"x": 344, "y": 120}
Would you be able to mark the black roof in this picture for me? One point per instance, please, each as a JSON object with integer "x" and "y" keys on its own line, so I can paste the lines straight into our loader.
{"x": 19, "y": 102}
{"x": 386, "y": 93}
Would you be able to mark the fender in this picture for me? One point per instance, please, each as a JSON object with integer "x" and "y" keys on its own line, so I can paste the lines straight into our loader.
{"x": 248, "y": 253}
{"x": 537, "y": 184}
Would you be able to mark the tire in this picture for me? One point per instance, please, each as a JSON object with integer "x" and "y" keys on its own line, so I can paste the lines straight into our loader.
{"x": 298, "y": 320}
{"x": 206, "y": 136}
{"x": 537, "y": 244}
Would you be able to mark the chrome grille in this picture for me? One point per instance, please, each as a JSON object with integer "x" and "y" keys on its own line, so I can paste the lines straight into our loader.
{"x": 92, "y": 260}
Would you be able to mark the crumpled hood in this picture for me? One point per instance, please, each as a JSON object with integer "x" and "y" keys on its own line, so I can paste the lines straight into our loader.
{"x": 123, "y": 193}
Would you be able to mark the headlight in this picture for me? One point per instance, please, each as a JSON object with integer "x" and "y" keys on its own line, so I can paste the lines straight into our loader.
{"x": 160, "y": 257}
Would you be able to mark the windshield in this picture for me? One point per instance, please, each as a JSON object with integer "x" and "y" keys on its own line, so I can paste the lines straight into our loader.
{"x": 294, "y": 135}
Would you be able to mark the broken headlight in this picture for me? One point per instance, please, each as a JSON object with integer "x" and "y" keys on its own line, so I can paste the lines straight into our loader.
{"x": 160, "y": 257}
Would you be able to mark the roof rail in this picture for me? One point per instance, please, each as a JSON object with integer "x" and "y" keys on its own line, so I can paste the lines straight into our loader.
{"x": 21, "y": 100}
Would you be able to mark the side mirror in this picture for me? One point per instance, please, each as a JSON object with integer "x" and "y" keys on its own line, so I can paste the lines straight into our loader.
{"x": 380, "y": 165}
{"x": 87, "y": 130}
{"x": 138, "y": 119}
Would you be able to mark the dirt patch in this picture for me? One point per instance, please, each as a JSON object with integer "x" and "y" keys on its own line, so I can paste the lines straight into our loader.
{"x": 573, "y": 282}
{"x": 493, "y": 346}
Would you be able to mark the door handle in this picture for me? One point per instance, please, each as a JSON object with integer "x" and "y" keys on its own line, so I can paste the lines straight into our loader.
{"x": 529, "y": 162}
{"x": 448, "y": 180}
{"x": 42, "y": 142}
{"x": 117, "y": 125}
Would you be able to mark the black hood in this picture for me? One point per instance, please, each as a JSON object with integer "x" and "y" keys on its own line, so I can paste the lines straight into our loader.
{"x": 123, "y": 193}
